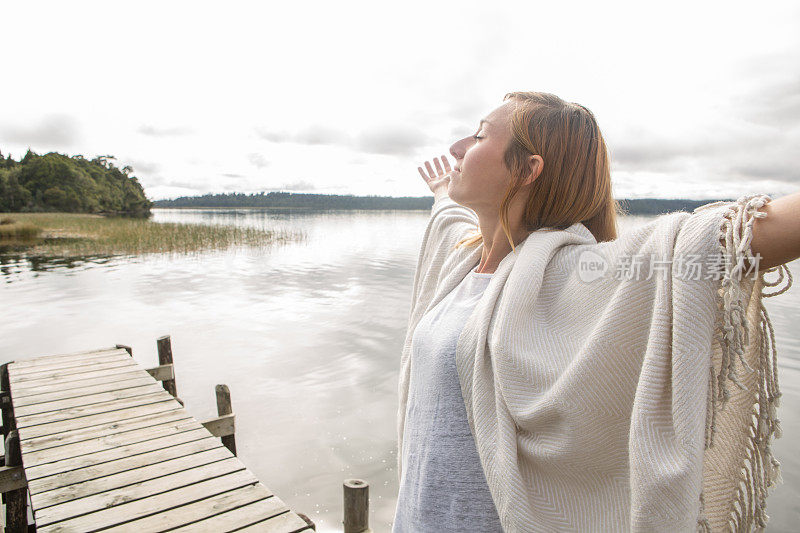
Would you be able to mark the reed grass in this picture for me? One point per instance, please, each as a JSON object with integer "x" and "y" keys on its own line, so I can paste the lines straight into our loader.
{"x": 74, "y": 234}
{"x": 11, "y": 229}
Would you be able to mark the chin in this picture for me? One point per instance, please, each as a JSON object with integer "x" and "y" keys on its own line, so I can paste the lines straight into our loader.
{"x": 452, "y": 196}
{"x": 453, "y": 191}
{"x": 456, "y": 198}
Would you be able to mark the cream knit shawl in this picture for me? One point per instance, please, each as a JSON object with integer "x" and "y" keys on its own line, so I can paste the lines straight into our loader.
{"x": 615, "y": 404}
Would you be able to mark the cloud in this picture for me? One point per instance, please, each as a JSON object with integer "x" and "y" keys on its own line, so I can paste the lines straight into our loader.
{"x": 391, "y": 140}
{"x": 144, "y": 166}
{"x": 322, "y": 135}
{"x": 778, "y": 170}
{"x": 273, "y": 136}
{"x": 199, "y": 185}
{"x": 257, "y": 160}
{"x": 232, "y": 187}
{"x": 301, "y": 185}
{"x": 470, "y": 108}
{"x": 233, "y": 176}
{"x": 52, "y": 130}
{"x": 772, "y": 157}
{"x": 776, "y": 104}
{"x": 729, "y": 150}
{"x": 193, "y": 185}
{"x": 313, "y": 135}
{"x": 382, "y": 139}
{"x": 163, "y": 132}
{"x": 648, "y": 152}
{"x": 459, "y": 132}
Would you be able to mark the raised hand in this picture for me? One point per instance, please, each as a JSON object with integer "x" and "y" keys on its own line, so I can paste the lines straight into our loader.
{"x": 438, "y": 180}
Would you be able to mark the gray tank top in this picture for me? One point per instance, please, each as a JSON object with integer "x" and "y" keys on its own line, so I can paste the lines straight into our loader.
{"x": 443, "y": 487}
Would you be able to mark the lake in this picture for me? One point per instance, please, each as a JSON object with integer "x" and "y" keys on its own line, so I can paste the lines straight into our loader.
{"x": 307, "y": 336}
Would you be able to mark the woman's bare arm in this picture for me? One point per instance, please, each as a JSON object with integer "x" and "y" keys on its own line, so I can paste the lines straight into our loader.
{"x": 776, "y": 237}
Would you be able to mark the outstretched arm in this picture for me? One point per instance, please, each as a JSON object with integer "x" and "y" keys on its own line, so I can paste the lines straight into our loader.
{"x": 776, "y": 237}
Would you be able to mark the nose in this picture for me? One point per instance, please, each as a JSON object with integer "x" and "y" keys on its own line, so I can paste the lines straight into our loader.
{"x": 458, "y": 148}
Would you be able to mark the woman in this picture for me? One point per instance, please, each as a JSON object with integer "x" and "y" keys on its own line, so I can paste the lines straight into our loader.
{"x": 555, "y": 377}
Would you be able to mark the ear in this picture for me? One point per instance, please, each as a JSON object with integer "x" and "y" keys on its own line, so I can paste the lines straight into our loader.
{"x": 536, "y": 165}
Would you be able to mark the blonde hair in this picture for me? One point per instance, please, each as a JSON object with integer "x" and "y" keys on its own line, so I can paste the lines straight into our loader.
{"x": 575, "y": 182}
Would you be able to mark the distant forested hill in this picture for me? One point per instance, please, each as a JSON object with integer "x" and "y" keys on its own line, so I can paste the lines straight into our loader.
{"x": 657, "y": 206}
{"x": 288, "y": 199}
{"x": 644, "y": 206}
{"x": 57, "y": 182}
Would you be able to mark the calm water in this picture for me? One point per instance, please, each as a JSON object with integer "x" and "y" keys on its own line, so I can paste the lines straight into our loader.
{"x": 307, "y": 336}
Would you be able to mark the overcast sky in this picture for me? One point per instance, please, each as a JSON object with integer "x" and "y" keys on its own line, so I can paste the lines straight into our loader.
{"x": 695, "y": 99}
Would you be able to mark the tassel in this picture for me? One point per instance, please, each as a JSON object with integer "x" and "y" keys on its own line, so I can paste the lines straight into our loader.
{"x": 760, "y": 470}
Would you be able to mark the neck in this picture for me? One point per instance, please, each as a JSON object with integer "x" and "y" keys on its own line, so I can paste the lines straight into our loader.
{"x": 495, "y": 241}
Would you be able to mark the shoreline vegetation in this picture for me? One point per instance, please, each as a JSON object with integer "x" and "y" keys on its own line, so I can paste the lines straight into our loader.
{"x": 81, "y": 234}
{"x": 56, "y": 182}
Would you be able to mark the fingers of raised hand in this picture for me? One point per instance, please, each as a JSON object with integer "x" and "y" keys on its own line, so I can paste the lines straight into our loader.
{"x": 431, "y": 175}
{"x": 446, "y": 164}
{"x": 422, "y": 173}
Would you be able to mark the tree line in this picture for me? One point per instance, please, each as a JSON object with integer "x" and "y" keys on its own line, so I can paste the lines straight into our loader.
{"x": 298, "y": 200}
{"x": 658, "y": 206}
{"x": 635, "y": 206}
{"x": 57, "y": 182}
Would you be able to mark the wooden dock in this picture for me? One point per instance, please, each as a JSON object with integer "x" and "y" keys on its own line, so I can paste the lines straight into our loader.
{"x": 99, "y": 444}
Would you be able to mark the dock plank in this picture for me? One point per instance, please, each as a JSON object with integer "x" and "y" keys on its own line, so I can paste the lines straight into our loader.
{"x": 41, "y": 359}
{"x": 55, "y": 376}
{"x": 113, "y": 453}
{"x": 270, "y": 509}
{"x": 18, "y": 392}
{"x": 67, "y": 365}
{"x": 285, "y": 523}
{"x": 194, "y": 512}
{"x": 123, "y": 464}
{"x": 108, "y": 442}
{"x": 82, "y": 435}
{"x": 76, "y": 413}
{"x": 80, "y": 401}
{"x": 125, "y": 510}
{"x": 65, "y": 394}
{"x": 150, "y": 488}
{"x": 96, "y": 420}
{"x": 130, "y": 478}
{"x": 74, "y": 380}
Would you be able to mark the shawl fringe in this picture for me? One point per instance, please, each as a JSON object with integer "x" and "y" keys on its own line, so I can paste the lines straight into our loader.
{"x": 760, "y": 470}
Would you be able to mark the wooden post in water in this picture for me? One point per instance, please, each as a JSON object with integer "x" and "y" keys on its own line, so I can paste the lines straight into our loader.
{"x": 5, "y": 407}
{"x": 224, "y": 407}
{"x": 165, "y": 358}
{"x": 356, "y": 506}
{"x": 17, "y": 499}
{"x": 5, "y": 398}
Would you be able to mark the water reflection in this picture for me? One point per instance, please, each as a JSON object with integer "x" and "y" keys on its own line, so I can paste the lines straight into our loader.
{"x": 15, "y": 264}
{"x": 307, "y": 335}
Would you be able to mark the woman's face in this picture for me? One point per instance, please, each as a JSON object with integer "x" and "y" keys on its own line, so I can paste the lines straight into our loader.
{"x": 481, "y": 178}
